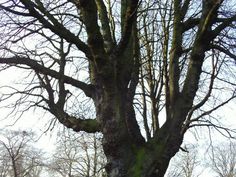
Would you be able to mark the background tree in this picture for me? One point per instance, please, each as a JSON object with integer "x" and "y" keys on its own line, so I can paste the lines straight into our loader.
{"x": 186, "y": 163}
{"x": 18, "y": 157}
{"x": 5, "y": 167}
{"x": 102, "y": 56}
{"x": 223, "y": 159}
{"x": 77, "y": 155}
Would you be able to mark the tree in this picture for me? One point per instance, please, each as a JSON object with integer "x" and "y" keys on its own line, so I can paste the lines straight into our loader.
{"x": 223, "y": 160}
{"x": 185, "y": 164}
{"x": 77, "y": 155}
{"x": 18, "y": 157}
{"x": 174, "y": 54}
{"x": 5, "y": 167}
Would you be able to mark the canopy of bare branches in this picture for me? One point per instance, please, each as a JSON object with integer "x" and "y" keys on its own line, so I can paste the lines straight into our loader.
{"x": 120, "y": 66}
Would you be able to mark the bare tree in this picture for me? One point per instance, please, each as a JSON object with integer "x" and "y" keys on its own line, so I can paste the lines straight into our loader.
{"x": 78, "y": 155}
{"x": 5, "y": 165}
{"x": 102, "y": 56}
{"x": 185, "y": 163}
{"x": 223, "y": 159}
{"x": 18, "y": 157}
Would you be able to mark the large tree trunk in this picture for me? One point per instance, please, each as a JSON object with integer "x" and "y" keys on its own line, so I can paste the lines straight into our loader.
{"x": 118, "y": 144}
{"x": 125, "y": 159}
{"x": 128, "y": 154}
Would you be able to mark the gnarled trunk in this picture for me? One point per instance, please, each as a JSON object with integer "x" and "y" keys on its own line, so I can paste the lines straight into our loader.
{"x": 128, "y": 154}
{"x": 119, "y": 143}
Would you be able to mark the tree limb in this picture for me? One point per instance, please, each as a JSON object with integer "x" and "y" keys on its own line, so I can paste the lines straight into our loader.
{"x": 105, "y": 25}
{"x": 224, "y": 24}
{"x": 223, "y": 50}
{"x": 17, "y": 60}
{"x": 95, "y": 39}
{"x": 55, "y": 26}
{"x": 130, "y": 18}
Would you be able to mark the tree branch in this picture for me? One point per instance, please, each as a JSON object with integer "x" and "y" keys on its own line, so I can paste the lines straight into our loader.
{"x": 200, "y": 46}
{"x": 185, "y": 8}
{"x": 17, "y": 60}
{"x": 223, "y": 50}
{"x": 190, "y": 23}
{"x": 214, "y": 109}
{"x": 225, "y": 23}
{"x": 77, "y": 124}
{"x": 95, "y": 39}
{"x": 55, "y": 26}
{"x": 130, "y": 18}
{"x": 109, "y": 43}
{"x": 175, "y": 53}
